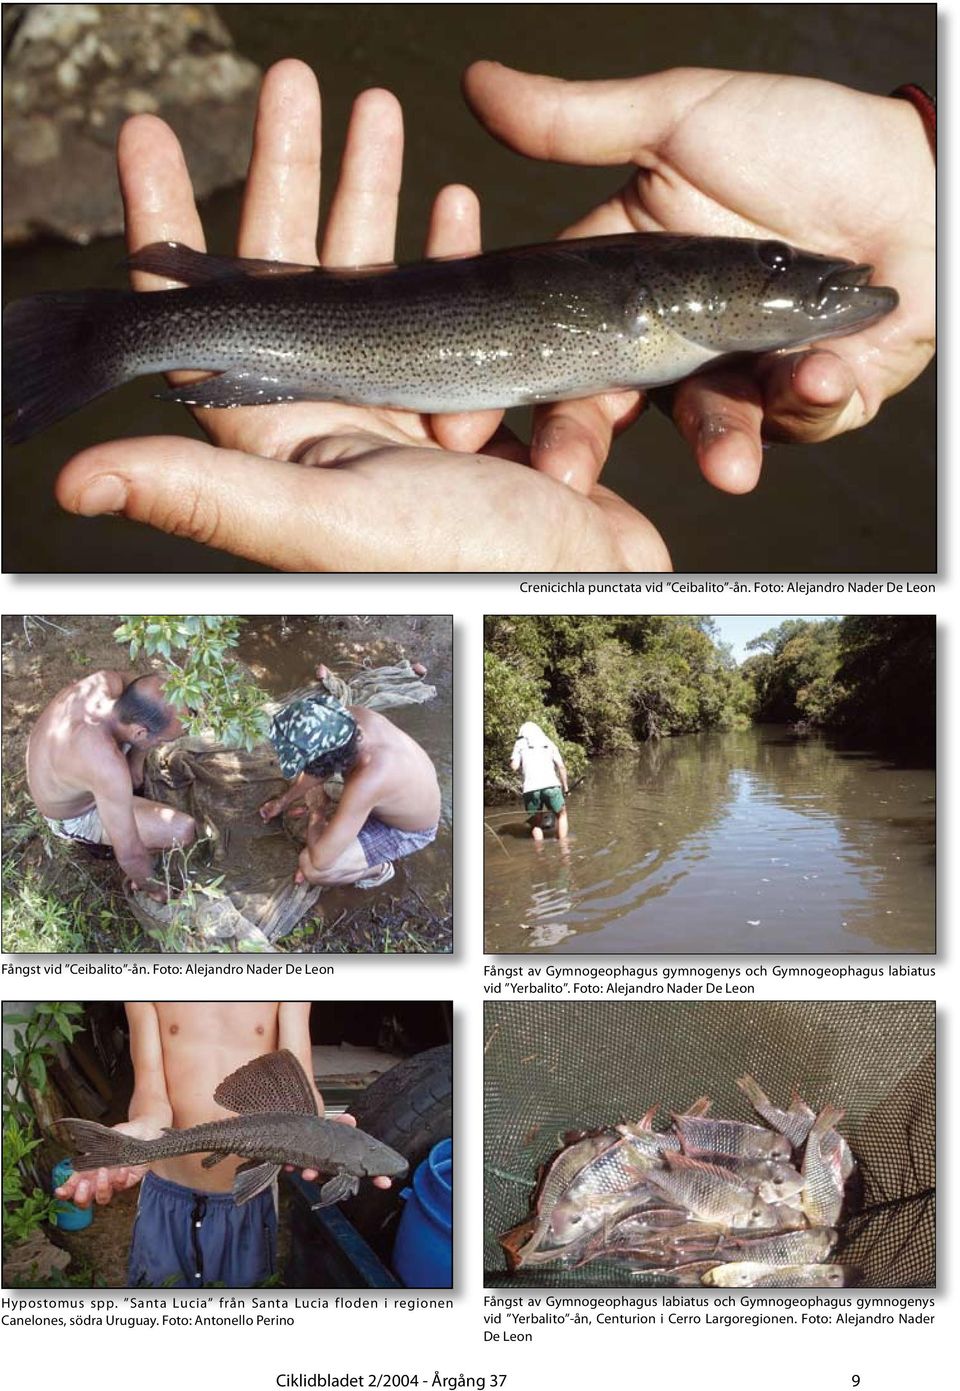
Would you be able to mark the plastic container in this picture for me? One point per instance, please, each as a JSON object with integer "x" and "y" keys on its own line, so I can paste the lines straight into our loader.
{"x": 423, "y": 1250}
{"x": 70, "y": 1218}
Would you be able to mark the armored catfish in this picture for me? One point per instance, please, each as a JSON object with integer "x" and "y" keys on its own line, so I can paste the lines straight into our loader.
{"x": 512, "y": 327}
{"x": 277, "y": 1124}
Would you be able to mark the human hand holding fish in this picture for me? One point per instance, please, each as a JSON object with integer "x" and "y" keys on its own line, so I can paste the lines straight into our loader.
{"x": 328, "y": 486}
{"x": 746, "y": 155}
{"x": 276, "y": 1125}
{"x": 86, "y": 1186}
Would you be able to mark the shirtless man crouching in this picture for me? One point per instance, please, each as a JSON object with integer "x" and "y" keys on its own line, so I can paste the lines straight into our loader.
{"x": 85, "y": 761}
{"x": 189, "y": 1232}
{"x": 390, "y": 805}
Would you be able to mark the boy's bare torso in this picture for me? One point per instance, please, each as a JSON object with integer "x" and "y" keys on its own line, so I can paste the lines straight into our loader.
{"x": 407, "y": 792}
{"x": 201, "y": 1044}
{"x": 70, "y": 746}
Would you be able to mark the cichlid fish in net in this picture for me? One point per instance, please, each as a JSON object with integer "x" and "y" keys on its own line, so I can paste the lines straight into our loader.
{"x": 706, "y": 1202}
{"x": 507, "y": 328}
{"x": 277, "y": 1124}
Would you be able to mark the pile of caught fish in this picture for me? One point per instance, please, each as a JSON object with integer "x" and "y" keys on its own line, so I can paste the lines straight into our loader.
{"x": 706, "y": 1202}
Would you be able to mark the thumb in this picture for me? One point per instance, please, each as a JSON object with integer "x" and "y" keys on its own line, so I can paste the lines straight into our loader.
{"x": 220, "y": 497}
{"x": 619, "y": 121}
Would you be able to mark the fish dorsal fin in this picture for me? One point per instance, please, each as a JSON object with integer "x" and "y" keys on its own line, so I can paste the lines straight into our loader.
{"x": 175, "y": 261}
{"x": 684, "y": 1163}
{"x": 273, "y": 1082}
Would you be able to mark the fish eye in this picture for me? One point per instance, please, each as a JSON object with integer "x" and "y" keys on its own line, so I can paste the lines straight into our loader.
{"x": 775, "y": 255}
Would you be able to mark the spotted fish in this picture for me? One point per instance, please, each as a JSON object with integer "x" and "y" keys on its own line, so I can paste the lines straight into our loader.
{"x": 508, "y": 328}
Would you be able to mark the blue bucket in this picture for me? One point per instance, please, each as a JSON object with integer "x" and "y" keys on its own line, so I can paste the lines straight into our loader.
{"x": 70, "y": 1218}
{"x": 423, "y": 1250}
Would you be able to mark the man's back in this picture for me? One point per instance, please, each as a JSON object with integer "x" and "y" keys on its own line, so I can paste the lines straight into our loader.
{"x": 70, "y": 745}
{"x": 402, "y": 779}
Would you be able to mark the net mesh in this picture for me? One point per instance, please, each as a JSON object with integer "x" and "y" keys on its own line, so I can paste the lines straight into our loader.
{"x": 552, "y": 1067}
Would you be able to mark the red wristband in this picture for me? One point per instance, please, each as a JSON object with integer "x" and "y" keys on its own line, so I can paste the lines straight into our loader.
{"x": 926, "y": 106}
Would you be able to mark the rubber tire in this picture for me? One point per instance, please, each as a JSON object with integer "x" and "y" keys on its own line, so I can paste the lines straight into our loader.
{"x": 409, "y": 1108}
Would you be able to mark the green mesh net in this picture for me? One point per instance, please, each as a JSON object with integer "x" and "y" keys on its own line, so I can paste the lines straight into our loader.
{"x": 554, "y": 1067}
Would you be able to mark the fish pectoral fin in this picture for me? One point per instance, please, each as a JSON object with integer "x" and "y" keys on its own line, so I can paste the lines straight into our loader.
{"x": 214, "y": 1157}
{"x": 336, "y": 1189}
{"x": 233, "y": 388}
{"x": 251, "y": 1179}
{"x": 175, "y": 261}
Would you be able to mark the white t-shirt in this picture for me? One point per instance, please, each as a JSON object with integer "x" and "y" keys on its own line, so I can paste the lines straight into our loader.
{"x": 538, "y": 764}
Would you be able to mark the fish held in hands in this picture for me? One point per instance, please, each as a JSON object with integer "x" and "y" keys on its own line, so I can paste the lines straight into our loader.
{"x": 507, "y": 328}
{"x": 277, "y": 1123}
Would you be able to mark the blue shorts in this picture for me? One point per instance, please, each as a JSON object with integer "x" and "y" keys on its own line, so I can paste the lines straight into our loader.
{"x": 380, "y": 842}
{"x": 186, "y": 1239}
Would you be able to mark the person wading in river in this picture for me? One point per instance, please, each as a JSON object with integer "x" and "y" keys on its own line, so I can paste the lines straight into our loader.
{"x": 189, "y": 1232}
{"x": 85, "y": 760}
{"x": 537, "y": 757}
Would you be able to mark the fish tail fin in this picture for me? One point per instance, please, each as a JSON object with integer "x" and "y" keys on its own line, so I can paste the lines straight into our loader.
{"x": 827, "y": 1119}
{"x": 96, "y": 1146}
{"x": 56, "y": 357}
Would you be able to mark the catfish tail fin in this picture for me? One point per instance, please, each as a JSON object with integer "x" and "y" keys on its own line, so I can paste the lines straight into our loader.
{"x": 58, "y": 354}
{"x": 96, "y": 1146}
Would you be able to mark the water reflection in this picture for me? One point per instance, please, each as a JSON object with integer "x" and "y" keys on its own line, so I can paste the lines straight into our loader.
{"x": 751, "y": 841}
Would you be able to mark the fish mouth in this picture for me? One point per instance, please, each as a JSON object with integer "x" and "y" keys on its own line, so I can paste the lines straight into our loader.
{"x": 845, "y": 295}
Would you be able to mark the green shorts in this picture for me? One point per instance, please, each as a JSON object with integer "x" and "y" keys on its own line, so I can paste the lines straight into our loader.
{"x": 544, "y": 799}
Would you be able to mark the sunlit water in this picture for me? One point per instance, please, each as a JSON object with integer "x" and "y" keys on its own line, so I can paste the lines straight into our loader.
{"x": 753, "y": 841}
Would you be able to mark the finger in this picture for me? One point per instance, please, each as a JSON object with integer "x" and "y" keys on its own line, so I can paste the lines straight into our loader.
{"x": 571, "y": 439}
{"x": 506, "y": 445}
{"x": 311, "y": 1175}
{"x": 345, "y": 1119}
{"x": 219, "y": 497}
{"x": 281, "y": 203}
{"x": 361, "y": 228}
{"x": 719, "y": 415}
{"x": 103, "y": 1191}
{"x": 158, "y": 202}
{"x": 83, "y": 1193}
{"x": 810, "y": 396}
{"x": 608, "y": 122}
{"x": 382, "y": 1182}
{"x": 299, "y": 877}
{"x": 454, "y": 230}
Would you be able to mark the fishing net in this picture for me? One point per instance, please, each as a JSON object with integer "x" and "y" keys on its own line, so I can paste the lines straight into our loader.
{"x": 551, "y": 1068}
{"x": 254, "y": 901}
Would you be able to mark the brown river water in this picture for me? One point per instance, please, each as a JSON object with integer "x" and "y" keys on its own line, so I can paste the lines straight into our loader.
{"x": 750, "y": 841}
{"x": 863, "y": 502}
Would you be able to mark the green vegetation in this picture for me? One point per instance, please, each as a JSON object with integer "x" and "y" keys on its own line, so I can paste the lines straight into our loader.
{"x": 868, "y": 676}
{"x": 600, "y": 685}
{"x": 27, "y": 1203}
{"x": 201, "y": 676}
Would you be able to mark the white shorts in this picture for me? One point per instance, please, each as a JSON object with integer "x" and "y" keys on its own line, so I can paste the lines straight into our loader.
{"x": 87, "y": 826}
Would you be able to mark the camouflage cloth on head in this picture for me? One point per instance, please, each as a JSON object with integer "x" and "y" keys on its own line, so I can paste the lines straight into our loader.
{"x": 305, "y": 729}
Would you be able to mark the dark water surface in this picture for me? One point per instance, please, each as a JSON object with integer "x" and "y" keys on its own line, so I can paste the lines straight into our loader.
{"x": 863, "y": 502}
{"x": 753, "y": 841}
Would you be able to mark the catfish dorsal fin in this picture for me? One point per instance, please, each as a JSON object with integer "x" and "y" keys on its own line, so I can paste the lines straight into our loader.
{"x": 273, "y": 1082}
